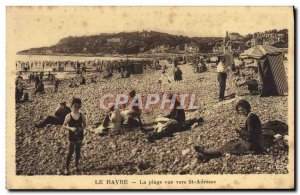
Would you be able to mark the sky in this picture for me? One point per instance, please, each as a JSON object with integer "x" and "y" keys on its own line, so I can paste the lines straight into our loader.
{"x": 44, "y": 26}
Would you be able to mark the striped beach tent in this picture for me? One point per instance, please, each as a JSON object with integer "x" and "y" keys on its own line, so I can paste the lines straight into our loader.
{"x": 271, "y": 71}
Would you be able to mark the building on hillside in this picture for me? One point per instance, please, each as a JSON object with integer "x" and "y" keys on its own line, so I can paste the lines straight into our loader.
{"x": 161, "y": 48}
{"x": 231, "y": 42}
{"x": 115, "y": 41}
{"x": 145, "y": 34}
{"x": 142, "y": 49}
{"x": 267, "y": 38}
{"x": 270, "y": 41}
{"x": 235, "y": 36}
{"x": 48, "y": 51}
{"x": 219, "y": 47}
{"x": 280, "y": 37}
{"x": 236, "y": 46}
{"x": 191, "y": 48}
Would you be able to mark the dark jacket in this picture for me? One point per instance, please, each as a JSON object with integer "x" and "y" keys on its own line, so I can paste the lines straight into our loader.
{"x": 253, "y": 132}
{"x": 177, "y": 74}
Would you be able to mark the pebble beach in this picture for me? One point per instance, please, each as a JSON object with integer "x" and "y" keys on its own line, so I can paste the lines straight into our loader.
{"x": 43, "y": 151}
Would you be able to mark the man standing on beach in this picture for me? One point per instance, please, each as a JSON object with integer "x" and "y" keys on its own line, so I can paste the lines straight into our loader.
{"x": 37, "y": 80}
{"x": 56, "y": 84}
{"x": 222, "y": 76}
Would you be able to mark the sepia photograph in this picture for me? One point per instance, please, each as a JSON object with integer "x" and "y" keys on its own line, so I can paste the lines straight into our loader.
{"x": 150, "y": 97}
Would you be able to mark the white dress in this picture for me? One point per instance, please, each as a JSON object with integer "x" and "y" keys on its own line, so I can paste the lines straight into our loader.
{"x": 116, "y": 121}
{"x": 165, "y": 80}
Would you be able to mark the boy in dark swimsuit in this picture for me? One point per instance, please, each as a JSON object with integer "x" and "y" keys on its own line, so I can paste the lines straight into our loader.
{"x": 75, "y": 123}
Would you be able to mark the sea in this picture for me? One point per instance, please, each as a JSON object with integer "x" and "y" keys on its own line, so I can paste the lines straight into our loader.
{"x": 69, "y": 70}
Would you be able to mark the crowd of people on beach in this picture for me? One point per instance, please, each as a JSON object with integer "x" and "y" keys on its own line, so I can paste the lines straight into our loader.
{"x": 118, "y": 118}
{"x": 108, "y": 67}
{"x": 113, "y": 66}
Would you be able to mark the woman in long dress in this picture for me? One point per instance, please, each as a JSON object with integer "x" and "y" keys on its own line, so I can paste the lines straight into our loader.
{"x": 165, "y": 80}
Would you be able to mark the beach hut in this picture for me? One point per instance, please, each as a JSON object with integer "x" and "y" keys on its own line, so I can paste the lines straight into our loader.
{"x": 138, "y": 69}
{"x": 271, "y": 71}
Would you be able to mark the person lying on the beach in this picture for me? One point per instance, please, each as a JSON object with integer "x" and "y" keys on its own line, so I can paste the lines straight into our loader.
{"x": 250, "y": 140}
{"x": 167, "y": 127}
{"x": 174, "y": 122}
{"x": 58, "y": 118}
{"x": 253, "y": 85}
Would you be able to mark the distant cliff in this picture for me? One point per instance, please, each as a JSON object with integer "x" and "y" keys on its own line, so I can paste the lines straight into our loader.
{"x": 150, "y": 42}
{"x": 125, "y": 43}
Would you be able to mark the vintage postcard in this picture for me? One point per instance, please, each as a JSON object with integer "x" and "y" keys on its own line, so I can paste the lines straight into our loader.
{"x": 150, "y": 98}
